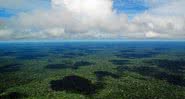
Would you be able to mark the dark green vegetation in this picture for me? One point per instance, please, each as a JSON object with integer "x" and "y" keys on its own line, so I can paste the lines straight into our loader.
{"x": 13, "y": 95}
{"x": 10, "y": 68}
{"x": 69, "y": 64}
{"x": 176, "y": 66}
{"x": 135, "y": 54}
{"x": 101, "y": 74}
{"x": 74, "y": 84}
{"x": 97, "y": 70}
{"x": 153, "y": 72}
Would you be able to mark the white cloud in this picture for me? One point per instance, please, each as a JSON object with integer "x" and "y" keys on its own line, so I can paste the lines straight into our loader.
{"x": 89, "y": 17}
{"x": 172, "y": 8}
{"x": 96, "y": 19}
{"x": 152, "y": 34}
{"x": 5, "y": 34}
{"x": 166, "y": 21}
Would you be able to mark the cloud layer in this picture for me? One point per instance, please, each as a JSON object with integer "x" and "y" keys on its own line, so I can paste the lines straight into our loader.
{"x": 97, "y": 19}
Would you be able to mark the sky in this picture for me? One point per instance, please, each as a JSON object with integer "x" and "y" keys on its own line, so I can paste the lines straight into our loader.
{"x": 92, "y": 19}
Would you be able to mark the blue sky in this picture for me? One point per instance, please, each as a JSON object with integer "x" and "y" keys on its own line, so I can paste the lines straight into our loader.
{"x": 26, "y": 5}
{"x": 131, "y": 7}
{"x": 92, "y": 19}
{"x": 6, "y": 13}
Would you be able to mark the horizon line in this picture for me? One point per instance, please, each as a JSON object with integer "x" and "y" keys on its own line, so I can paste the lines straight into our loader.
{"x": 96, "y": 40}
